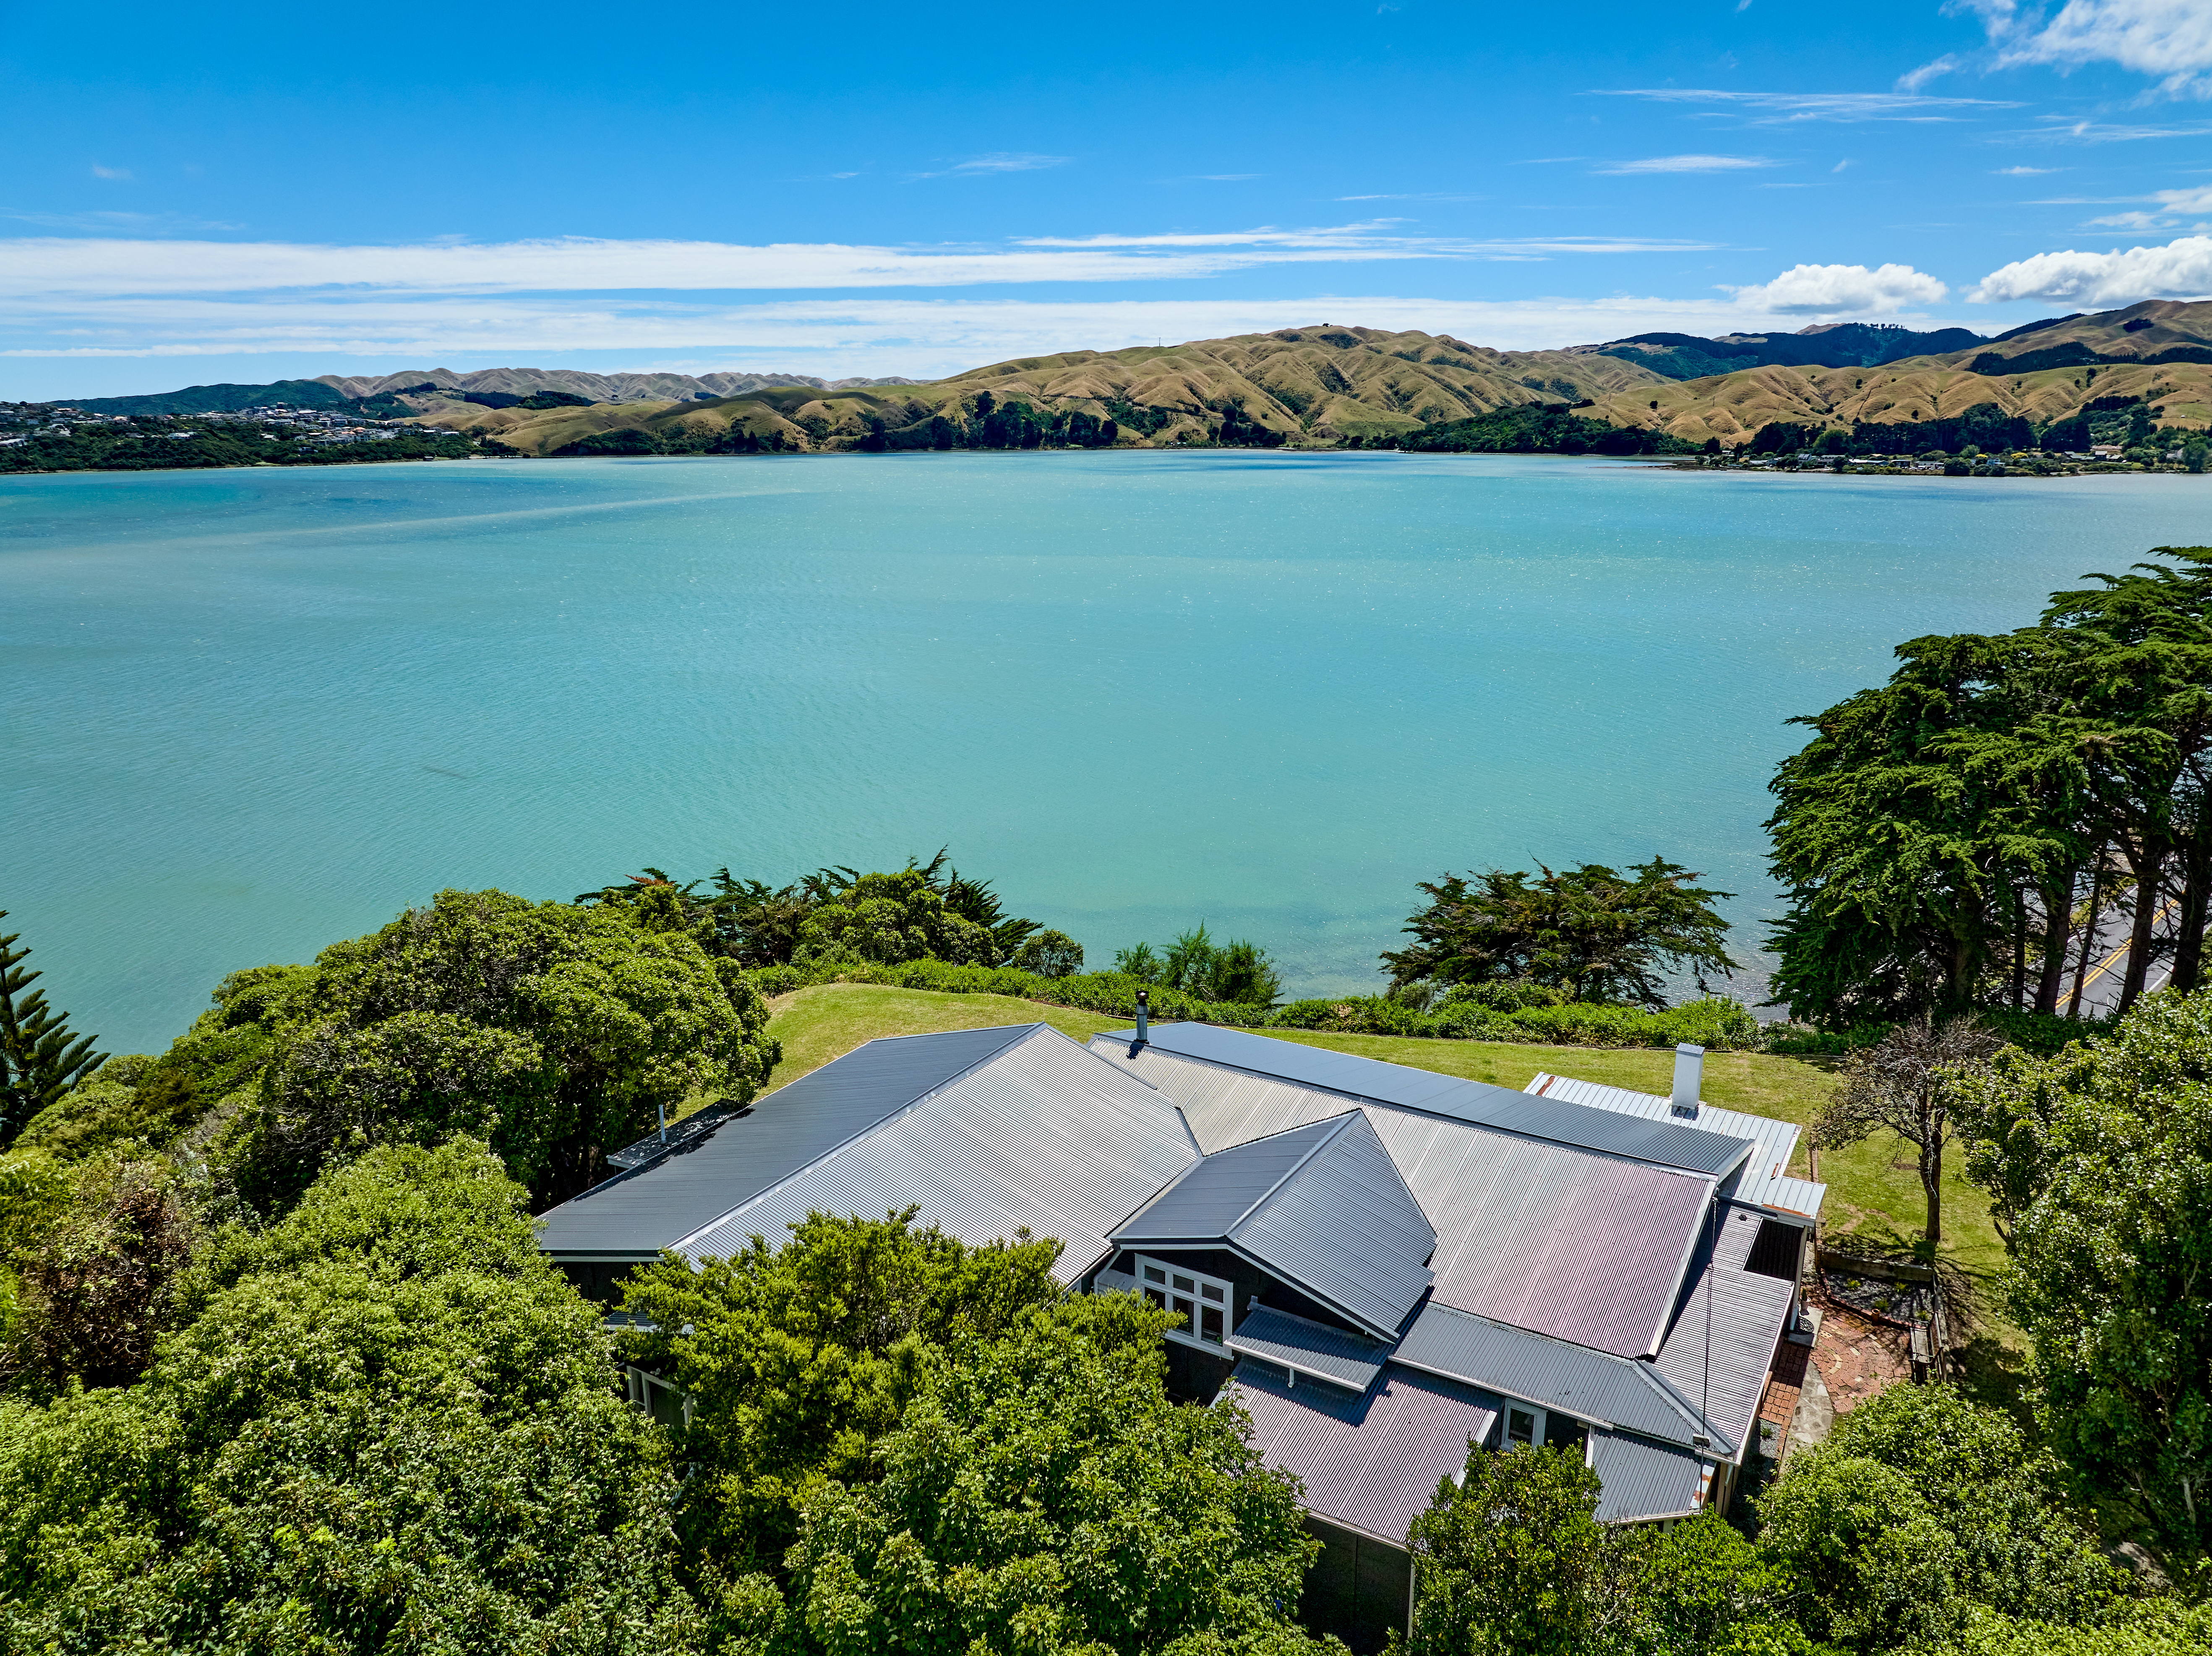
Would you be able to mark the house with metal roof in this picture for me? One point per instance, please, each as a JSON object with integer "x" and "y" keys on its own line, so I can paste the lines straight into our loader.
{"x": 1389, "y": 1267}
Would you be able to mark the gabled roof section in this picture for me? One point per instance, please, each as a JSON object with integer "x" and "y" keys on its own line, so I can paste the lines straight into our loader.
{"x": 1320, "y": 1205}
{"x": 1585, "y": 1247}
{"x": 1764, "y": 1179}
{"x": 1662, "y": 1143}
{"x": 1643, "y": 1481}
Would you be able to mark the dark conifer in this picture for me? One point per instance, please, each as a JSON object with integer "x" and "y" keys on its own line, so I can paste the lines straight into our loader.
{"x": 40, "y": 1057}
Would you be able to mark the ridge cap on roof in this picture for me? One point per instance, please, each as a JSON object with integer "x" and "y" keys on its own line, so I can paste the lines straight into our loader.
{"x": 1336, "y": 1125}
{"x": 1228, "y": 1231}
{"x": 1018, "y": 1034}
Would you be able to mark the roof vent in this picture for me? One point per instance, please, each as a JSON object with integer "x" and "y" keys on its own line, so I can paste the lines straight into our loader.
{"x": 1689, "y": 1079}
{"x": 1144, "y": 1019}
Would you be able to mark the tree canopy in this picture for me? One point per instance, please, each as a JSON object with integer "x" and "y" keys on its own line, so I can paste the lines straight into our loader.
{"x": 1586, "y": 932}
{"x": 41, "y": 1057}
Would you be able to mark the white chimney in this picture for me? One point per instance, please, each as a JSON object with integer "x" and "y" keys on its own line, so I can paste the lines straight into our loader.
{"x": 1689, "y": 1078}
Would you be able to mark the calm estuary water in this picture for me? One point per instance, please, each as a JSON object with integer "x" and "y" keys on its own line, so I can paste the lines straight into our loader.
{"x": 249, "y": 713}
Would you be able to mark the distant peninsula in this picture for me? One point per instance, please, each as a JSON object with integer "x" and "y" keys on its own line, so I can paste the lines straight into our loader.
{"x": 2127, "y": 388}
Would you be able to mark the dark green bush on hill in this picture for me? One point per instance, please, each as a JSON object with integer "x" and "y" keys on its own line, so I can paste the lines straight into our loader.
{"x": 1538, "y": 428}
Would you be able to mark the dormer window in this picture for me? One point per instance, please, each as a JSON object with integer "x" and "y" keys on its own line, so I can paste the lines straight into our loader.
{"x": 1206, "y": 1304}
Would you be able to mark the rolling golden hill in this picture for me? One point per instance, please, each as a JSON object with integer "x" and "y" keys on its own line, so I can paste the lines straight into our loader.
{"x": 1318, "y": 385}
{"x": 2045, "y": 371}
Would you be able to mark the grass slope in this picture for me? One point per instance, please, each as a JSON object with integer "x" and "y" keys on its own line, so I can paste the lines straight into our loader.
{"x": 1873, "y": 1194}
{"x": 1734, "y": 406}
{"x": 1319, "y": 384}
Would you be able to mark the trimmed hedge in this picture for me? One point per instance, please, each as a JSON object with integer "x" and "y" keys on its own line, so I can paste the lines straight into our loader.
{"x": 1719, "y": 1025}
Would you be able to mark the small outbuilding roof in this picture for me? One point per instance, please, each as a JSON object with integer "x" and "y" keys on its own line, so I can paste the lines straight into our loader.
{"x": 1320, "y": 1205}
{"x": 1645, "y": 1482}
{"x": 1764, "y": 1179}
{"x": 1309, "y": 1348}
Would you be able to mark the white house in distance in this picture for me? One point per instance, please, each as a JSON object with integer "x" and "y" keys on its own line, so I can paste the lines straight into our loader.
{"x": 1388, "y": 1264}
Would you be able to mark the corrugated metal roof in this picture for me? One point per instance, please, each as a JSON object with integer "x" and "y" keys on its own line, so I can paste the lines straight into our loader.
{"x": 1584, "y": 1247}
{"x": 1646, "y": 1480}
{"x": 1719, "y": 1362}
{"x": 637, "y": 1214}
{"x": 1665, "y": 1144}
{"x": 1372, "y": 1462}
{"x": 1045, "y": 1136}
{"x": 1320, "y": 1205}
{"x": 1309, "y": 1347}
{"x": 1591, "y": 1386}
{"x": 1764, "y": 1178}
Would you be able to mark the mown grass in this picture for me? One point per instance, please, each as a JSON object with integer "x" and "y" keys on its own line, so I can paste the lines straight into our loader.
{"x": 1874, "y": 1193}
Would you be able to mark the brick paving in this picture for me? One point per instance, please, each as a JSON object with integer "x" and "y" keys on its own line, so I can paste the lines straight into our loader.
{"x": 1858, "y": 1357}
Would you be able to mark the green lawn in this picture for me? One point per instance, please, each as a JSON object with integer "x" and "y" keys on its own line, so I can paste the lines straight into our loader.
{"x": 1873, "y": 1191}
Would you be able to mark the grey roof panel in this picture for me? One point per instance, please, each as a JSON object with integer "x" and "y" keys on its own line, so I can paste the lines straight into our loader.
{"x": 1646, "y": 1480}
{"x": 637, "y": 1214}
{"x": 1587, "y": 1248}
{"x": 1310, "y": 1348}
{"x": 1721, "y": 1350}
{"x": 1665, "y": 1143}
{"x": 1764, "y": 1179}
{"x": 1217, "y": 1194}
{"x": 1371, "y": 1462}
{"x": 1045, "y": 1138}
{"x": 1319, "y": 1205}
{"x": 1591, "y": 1386}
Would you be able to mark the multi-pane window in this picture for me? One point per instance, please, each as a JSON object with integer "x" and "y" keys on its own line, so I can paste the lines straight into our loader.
{"x": 1206, "y": 1304}
{"x": 1526, "y": 1423}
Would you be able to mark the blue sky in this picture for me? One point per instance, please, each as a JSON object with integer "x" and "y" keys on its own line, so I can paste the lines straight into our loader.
{"x": 255, "y": 191}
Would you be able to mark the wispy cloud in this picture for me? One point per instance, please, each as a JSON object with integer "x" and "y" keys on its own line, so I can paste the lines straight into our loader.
{"x": 876, "y": 334}
{"x": 1913, "y": 80}
{"x": 100, "y": 171}
{"x": 2075, "y": 129}
{"x": 1773, "y": 108}
{"x": 2024, "y": 171}
{"x": 2169, "y": 38}
{"x": 1690, "y": 164}
{"x": 989, "y": 166}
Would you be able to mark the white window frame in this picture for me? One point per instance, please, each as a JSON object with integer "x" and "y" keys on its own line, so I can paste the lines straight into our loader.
{"x": 1542, "y": 1417}
{"x": 1178, "y": 1288}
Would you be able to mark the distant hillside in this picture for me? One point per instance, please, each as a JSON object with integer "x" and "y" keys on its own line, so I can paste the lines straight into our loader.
{"x": 1321, "y": 384}
{"x": 218, "y": 399}
{"x": 1830, "y": 345}
{"x": 2158, "y": 354}
{"x": 599, "y": 387}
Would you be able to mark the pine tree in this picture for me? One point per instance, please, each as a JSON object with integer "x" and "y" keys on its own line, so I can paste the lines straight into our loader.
{"x": 40, "y": 1058}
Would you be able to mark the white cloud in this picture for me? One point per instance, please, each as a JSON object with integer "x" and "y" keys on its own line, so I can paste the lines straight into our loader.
{"x": 110, "y": 267}
{"x": 100, "y": 171}
{"x": 1833, "y": 290}
{"x": 1690, "y": 164}
{"x": 915, "y": 336}
{"x": 1913, "y": 80}
{"x": 2181, "y": 270}
{"x": 987, "y": 166}
{"x": 1765, "y": 108}
{"x": 2022, "y": 171}
{"x": 2170, "y": 39}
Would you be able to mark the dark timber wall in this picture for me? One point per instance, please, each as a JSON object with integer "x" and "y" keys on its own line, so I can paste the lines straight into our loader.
{"x": 1358, "y": 1589}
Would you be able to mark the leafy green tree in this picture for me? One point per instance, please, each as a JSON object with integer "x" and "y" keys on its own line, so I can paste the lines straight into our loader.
{"x": 1695, "y": 1588}
{"x": 40, "y": 1056}
{"x": 1049, "y": 955}
{"x": 2099, "y": 1164}
{"x": 1902, "y": 1085}
{"x": 399, "y": 1440}
{"x": 1509, "y": 1559}
{"x": 1586, "y": 932}
{"x": 1140, "y": 963}
{"x": 797, "y": 1360}
{"x": 553, "y": 1032}
{"x": 1043, "y": 1494}
{"x": 1236, "y": 972}
{"x": 1875, "y": 1569}
{"x": 95, "y": 1291}
{"x": 885, "y": 919}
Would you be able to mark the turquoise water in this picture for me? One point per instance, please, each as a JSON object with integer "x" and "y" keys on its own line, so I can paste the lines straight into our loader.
{"x": 249, "y": 712}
